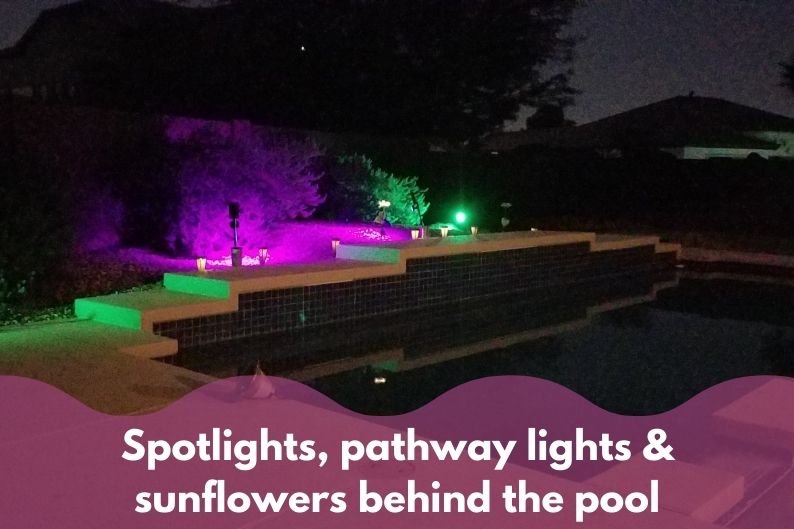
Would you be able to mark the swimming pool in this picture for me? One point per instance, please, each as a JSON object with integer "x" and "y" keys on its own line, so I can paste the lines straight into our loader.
{"x": 637, "y": 346}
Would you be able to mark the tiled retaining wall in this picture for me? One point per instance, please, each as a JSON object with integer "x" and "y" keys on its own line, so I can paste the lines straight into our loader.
{"x": 420, "y": 332}
{"x": 427, "y": 282}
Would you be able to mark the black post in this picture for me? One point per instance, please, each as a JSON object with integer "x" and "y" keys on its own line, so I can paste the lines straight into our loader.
{"x": 237, "y": 252}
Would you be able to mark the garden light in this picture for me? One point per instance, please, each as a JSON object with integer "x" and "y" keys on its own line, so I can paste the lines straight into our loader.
{"x": 234, "y": 223}
{"x": 444, "y": 231}
{"x": 474, "y": 230}
{"x": 414, "y": 234}
{"x": 264, "y": 256}
{"x": 201, "y": 264}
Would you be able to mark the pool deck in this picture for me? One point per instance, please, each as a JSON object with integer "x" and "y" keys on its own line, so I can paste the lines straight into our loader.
{"x": 97, "y": 364}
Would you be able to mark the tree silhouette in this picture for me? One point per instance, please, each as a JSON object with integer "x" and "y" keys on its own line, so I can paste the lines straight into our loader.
{"x": 430, "y": 67}
{"x": 455, "y": 69}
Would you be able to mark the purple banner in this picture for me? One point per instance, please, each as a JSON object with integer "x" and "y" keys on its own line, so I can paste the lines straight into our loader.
{"x": 508, "y": 452}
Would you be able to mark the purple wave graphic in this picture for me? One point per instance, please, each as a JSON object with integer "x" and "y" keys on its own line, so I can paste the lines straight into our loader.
{"x": 274, "y": 453}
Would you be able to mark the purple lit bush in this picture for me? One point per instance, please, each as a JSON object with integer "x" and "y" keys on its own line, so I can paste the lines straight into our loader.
{"x": 271, "y": 176}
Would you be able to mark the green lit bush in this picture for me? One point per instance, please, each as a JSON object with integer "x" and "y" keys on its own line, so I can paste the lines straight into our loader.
{"x": 355, "y": 186}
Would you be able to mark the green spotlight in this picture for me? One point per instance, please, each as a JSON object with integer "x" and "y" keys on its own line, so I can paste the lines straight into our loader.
{"x": 460, "y": 217}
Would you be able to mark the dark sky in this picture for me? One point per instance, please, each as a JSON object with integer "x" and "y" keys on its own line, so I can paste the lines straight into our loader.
{"x": 639, "y": 51}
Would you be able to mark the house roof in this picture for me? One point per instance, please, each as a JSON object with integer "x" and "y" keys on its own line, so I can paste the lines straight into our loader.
{"x": 98, "y": 41}
{"x": 689, "y": 120}
{"x": 119, "y": 13}
{"x": 65, "y": 37}
{"x": 675, "y": 122}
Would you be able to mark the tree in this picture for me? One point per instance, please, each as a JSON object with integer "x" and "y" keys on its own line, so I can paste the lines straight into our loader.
{"x": 451, "y": 69}
{"x": 271, "y": 176}
{"x": 410, "y": 68}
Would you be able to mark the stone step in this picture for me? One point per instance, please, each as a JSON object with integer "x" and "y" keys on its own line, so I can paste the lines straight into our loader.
{"x": 140, "y": 310}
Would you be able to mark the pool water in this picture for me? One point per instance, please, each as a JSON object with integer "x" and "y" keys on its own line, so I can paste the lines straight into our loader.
{"x": 634, "y": 347}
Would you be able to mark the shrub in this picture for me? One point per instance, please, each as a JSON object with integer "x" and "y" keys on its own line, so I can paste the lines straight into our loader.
{"x": 271, "y": 176}
{"x": 35, "y": 237}
{"x": 358, "y": 186}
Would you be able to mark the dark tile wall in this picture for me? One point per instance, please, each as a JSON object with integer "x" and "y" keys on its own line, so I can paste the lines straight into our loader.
{"x": 418, "y": 333}
{"x": 428, "y": 282}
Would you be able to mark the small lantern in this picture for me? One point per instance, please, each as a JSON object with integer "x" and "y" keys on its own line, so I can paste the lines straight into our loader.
{"x": 475, "y": 230}
{"x": 264, "y": 256}
{"x": 414, "y": 234}
{"x": 444, "y": 231}
{"x": 201, "y": 264}
{"x": 335, "y": 244}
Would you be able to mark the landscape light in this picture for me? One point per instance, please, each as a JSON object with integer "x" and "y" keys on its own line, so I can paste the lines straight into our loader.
{"x": 474, "y": 230}
{"x": 444, "y": 231}
{"x": 201, "y": 264}
{"x": 335, "y": 244}
{"x": 414, "y": 234}
{"x": 234, "y": 223}
{"x": 383, "y": 204}
{"x": 264, "y": 256}
{"x": 379, "y": 380}
{"x": 460, "y": 217}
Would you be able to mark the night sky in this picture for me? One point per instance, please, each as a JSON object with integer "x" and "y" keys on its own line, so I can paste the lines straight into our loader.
{"x": 639, "y": 51}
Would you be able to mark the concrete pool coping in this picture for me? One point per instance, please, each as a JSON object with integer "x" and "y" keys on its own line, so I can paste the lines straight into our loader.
{"x": 216, "y": 292}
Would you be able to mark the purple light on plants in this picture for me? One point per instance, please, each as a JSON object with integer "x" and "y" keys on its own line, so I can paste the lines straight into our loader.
{"x": 287, "y": 243}
{"x": 272, "y": 177}
{"x": 226, "y": 262}
{"x": 309, "y": 241}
